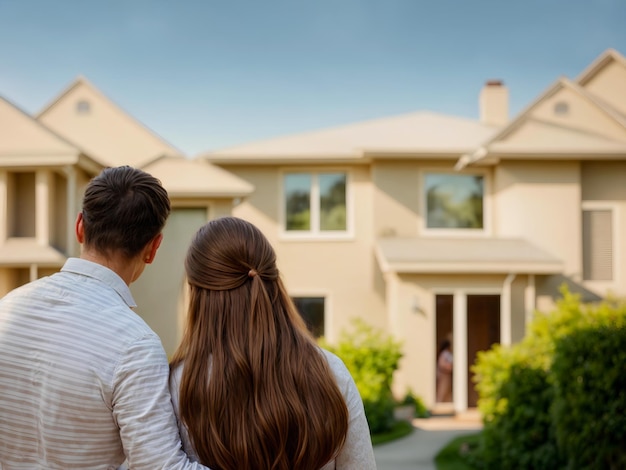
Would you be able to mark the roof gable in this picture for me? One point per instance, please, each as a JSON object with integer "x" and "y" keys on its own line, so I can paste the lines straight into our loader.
{"x": 606, "y": 80}
{"x": 564, "y": 119}
{"x": 22, "y": 135}
{"x": 568, "y": 106}
{"x": 102, "y": 128}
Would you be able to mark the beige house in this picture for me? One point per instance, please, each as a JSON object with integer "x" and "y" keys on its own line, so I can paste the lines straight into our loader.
{"x": 428, "y": 225}
{"x": 423, "y": 225}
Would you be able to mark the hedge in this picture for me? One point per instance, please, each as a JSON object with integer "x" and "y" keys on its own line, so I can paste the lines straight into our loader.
{"x": 529, "y": 413}
{"x": 589, "y": 373}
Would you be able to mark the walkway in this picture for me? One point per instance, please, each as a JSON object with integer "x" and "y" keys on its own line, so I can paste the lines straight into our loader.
{"x": 418, "y": 450}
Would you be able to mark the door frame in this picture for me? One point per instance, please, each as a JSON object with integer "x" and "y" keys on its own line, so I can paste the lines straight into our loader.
{"x": 459, "y": 337}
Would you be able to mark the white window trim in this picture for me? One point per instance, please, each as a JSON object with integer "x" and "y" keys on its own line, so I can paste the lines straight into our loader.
{"x": 486, "y": 231}
{"x": 315, "y": 234}
{"x": 615, "y": 218}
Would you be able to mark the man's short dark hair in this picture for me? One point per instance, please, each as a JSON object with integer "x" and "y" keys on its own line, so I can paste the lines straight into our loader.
{"x": 123, "y": 209}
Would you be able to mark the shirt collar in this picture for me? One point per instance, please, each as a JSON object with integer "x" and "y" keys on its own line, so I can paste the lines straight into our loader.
{"x": 101, "y": 273}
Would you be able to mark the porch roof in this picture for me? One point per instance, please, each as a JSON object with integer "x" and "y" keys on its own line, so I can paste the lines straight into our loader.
{"x": 464, "y": 255}
{"x": 27, "y": 251}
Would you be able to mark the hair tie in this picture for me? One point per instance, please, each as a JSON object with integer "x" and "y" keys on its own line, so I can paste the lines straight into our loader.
{"x": 252, "y": 273}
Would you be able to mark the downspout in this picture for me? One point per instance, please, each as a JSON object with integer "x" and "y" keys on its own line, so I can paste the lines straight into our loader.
{"x": 505, "y": 310}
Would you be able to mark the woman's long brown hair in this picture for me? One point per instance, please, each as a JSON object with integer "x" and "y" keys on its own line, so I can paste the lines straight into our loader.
{"x": 256, "y": 392}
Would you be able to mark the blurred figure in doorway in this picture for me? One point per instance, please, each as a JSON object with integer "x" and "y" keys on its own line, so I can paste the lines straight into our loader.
{"x": 444, "y": 372}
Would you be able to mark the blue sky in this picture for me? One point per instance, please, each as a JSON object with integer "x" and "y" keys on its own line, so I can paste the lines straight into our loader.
{"x": 216, "y": 73}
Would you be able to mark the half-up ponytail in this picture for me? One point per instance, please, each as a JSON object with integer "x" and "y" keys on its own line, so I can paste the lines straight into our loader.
{"x": 256, "y": 391}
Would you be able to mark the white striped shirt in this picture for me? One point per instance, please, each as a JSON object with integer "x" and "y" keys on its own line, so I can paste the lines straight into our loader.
{"x": 83, "y": 379}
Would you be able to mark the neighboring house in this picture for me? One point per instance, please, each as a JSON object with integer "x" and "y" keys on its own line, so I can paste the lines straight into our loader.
{"x": 45, "y": 164}
{"x": 428, "y": 225}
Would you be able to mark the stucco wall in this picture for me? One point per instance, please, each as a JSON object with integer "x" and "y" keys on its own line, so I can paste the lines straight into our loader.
{"x": 396, "y": 198}
{"x": 540, "y": 202}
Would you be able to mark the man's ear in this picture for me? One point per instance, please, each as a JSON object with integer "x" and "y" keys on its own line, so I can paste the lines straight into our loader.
{"x": 153, "y": 246}
{"x": 79, "y": 228}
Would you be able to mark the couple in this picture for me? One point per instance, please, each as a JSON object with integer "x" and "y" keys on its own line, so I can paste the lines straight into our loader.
{"x": 84, "y": 381}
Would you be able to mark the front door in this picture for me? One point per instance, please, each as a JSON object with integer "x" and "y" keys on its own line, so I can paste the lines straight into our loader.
{"x": 483, "y": 330}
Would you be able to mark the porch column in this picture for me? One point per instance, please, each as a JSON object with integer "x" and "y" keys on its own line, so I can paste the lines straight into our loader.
{"x": 33, "y": 272}
{"x": 42, "y": 208}
{"x": 70, "y": 174}
{"x": 505, "y": 311}
{"x": 459, "y": 352}
{"x": 393, "y": 293}
{"x": 529, "y": 299}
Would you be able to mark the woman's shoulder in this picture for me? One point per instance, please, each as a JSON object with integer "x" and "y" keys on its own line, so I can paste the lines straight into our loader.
{"x": 338, "y": 368}
{"x": 333, "y": 359}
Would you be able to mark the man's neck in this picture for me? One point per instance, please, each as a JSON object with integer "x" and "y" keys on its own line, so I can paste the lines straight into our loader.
{"x": 128, "y": 269}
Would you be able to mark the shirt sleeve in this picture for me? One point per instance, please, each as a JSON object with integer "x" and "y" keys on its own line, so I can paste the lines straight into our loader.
{"x": 175, "y": 378}
{"x": 357, "y": 452}
{"x": 143, "y": 409}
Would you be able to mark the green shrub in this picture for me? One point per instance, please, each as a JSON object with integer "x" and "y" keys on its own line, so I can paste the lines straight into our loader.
{"x": 421, "y": 411}
{"x": 372, "y": 359}
{"x": 590, "y": 397}
{"x": 517, "y": 431}
{"x": 517, "y": 389}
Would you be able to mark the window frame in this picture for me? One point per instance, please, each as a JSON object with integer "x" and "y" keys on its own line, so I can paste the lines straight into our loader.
{"x": 615, "y": 218}
{"x": 315, "y": 233}
{"x": 325, "y": 306}
{"x": 424, "y": 230}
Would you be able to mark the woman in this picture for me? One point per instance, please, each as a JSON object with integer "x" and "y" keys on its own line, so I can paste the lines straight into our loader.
{"x": 251, "y": 388}
{"x": 444, "y": 372}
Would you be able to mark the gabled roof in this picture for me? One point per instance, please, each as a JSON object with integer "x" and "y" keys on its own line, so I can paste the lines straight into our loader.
{"x": 464, "y": 255}
{"x": 24, "y": 141}
{"x": 608, "y": 56}
{"x": 563, "y": 140}
{"x": 186, "y": 178}
{"x": 107, "y": 132}
{"x": 416, "y": 134}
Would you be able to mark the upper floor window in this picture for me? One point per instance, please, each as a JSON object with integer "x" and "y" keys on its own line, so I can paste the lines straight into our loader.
{"x": 315, "y": 202}
{"x": 454, "y": 201}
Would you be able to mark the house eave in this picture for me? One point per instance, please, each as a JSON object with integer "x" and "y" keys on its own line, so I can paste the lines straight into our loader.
{"x": 474, "y": 268}
{"x": 288, "y": 160}
{"x": 494, "y": 158}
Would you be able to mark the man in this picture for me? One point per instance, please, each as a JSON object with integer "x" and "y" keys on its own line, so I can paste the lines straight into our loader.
{"x": 83, "y": 379}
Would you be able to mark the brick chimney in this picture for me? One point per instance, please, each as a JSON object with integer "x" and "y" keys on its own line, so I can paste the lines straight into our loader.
{"x": 494, "y": 103}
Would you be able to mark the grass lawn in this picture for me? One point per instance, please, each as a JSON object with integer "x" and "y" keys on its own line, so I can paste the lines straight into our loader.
{"x": 454, "y": 455}
{"x": 400, "y": 429}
